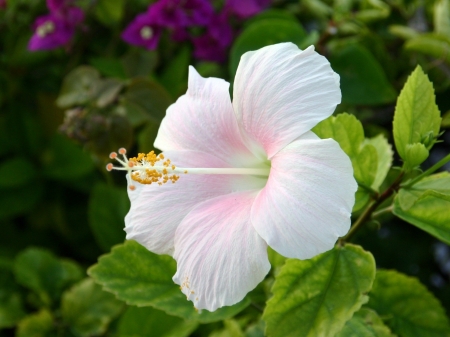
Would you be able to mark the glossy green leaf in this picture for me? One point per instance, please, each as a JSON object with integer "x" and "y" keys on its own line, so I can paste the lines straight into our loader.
{"x": 39, "y": 324}
{"x": 407, "y": 307}
{"x": 148, "y": 96}
{"x": 16, "y": 172}
{"x": 363, "y": 80}
{"x": 316, "y": 297}
{"x": 349, "y": 133}
{"x": 40, "y": 271}
{"x": 263, "y": 33}
{"x": 109, "y": 12}
{"x": 149, "y": 322}
{"x": 385, "y": 156}
{"x": 426, "y": 205}
{"x": 88, "y": 310}
{"x": 416, "y": 116}
{"x": 78, "y": 87}
{"x": 108, "y": 206}
{"x": 365, "y": 323}
{"x": 142, "y": 278}
{"x": 430, "y": 44}
{"x": 64, "y": 160}
{"x": 442, "y": 17}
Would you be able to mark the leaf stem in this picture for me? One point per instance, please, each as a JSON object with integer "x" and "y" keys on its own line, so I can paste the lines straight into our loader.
{"x": 368, "y": 212}
{"x": 426, "y": 173}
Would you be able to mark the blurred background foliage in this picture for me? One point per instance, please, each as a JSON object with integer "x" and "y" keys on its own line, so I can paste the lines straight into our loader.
{"x": 63, "y": 111}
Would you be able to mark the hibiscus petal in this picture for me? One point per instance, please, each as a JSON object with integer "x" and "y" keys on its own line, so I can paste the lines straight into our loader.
{"x": 307, "y": 202}
{"x": 280, "y": 92}
{"x": 156, "y": 211}
{"x": 220, "y": 256}
{"x": 203, "y": 120}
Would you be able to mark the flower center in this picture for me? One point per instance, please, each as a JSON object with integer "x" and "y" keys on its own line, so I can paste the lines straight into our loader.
{"x": 146, "y": 32}
{"x": 46, "y": 28}
{"x": 152, "y": 168}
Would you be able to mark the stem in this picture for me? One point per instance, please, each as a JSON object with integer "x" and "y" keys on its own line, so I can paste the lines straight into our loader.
{"x": 197, "y": 170}
{"x": 382, "y": 212}
{"x": 426, "y": 173}
{"x": 367, "y": 214}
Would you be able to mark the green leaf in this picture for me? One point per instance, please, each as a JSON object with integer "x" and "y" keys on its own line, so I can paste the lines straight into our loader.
{"x": 349, "y": 133}
{"x": 11, "y": 306}
{"x": 365, "y": 323}
{"x": 108, "y": 90}
{"x": 407, "y": 307}
{"x": 20, "y": 200}
{"x": 149, "y": 322}
{"x": 40, "y": 271}
{"x": 442, "y": 17}
{"x": 16, "y": 172}
{"x": 363, "y": 80}
{"x": 362, "y": 197}
{"x": 64, "y": 160}
{"x": 88, "y": 310}
{"x": 39, "y": 324}
{"x": 109, "y": 67}
{"x": 142, "y": 278}
{"x": 316, "y": 297}
{"x": 446, "y": 120}
{"x": 430, "y": 44}
{"x": 148, "y": 96}
{"x": 109, "y": 12}
{"x": 263, "y": 33}
{"x": 174, "y": 75}
{"x": 78, "y": 87}
{"x": 416, "y": 116}
{"x": 426, "y": 205}
{"x": 385, "y": 157}
{"x": 139, "y": 62}
{"x": 272, "y": 13}
{"x": 403, "y": 32}
{"x": 147, "y": 136}
{"x": 108, "y": 206}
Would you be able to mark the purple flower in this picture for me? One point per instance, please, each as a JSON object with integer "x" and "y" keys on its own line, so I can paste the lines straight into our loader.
{"x": 50, "y": 32}
{"x": 143, "y": 31}
{"x": 246, "y": 8}
{"x": 213, "y": 45}
{"x": 56, "y": 28}
{"x": 199, "y": 12}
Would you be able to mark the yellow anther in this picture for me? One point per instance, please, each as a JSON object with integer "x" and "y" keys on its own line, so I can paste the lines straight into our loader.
{"x": 173, "y": 167}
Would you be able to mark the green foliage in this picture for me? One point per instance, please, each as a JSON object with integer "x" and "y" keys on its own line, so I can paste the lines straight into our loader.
{"x": 371, "y": 158}
{"x": 262, "y": 33}
{"x": 11, "y": 303}
{"x": 316, "y": 297}
{"x": 442, "y": 17}
{"x": 149, "y": 322}
{"x": 363, "y": 80}
{"x": 140, "y": 277}
{"x": 88, "y": 310}
{"x": 108, "y": 206}
{"x": 44, "y": 274}
{"x": 39, "y": 324}
{"x": 365, "y": 323}
{"x": 426, "y": 205}
{"x": 407, "y": 307}
{"x": 431, "y": 44}
{"x": 110, "y": 12}
{"x": 16, "y": 172}
{"x": 416, "y": 118}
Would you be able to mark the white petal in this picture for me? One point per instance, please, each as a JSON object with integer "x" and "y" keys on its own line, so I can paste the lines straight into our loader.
{"x": 220, "y": 257}
{"x": 203, "y": 120}
{"x": 307, "y": 202}
{"x": 280, "y": 92}
{"x": 156, "y": 211}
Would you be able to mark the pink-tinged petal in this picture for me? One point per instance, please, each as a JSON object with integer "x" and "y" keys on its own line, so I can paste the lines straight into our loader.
{"x": 280, "y": 92}
{"x": 220, "y": 257}
{"x": 203, "y": 120}
{"x": 307, "y": 201}
{"x": 156, "y": 211}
